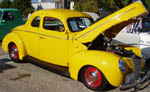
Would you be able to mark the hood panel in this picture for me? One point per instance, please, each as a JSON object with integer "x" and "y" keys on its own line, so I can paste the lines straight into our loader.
{"x": 115, "y": 21}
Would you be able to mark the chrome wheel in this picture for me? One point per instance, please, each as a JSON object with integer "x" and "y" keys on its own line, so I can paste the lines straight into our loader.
{"x": 93, "y": 77}
{"x": 14, "y": 53}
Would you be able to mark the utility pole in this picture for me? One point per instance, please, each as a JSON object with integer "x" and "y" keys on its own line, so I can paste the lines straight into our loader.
{"x": 62, "y": 3}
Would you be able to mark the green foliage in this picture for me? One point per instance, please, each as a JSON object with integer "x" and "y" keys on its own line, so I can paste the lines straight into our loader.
{"x": 15, "y": 4}
{"x": 147, "y": 4}
{"x": 78, "y": 6}
{"x": 5, "y": 4}
{"x": 108, "y": 5}
{"x": 27, "y": 11}
{"x": 86, "y": 5}
{"x": 23, "y": 5}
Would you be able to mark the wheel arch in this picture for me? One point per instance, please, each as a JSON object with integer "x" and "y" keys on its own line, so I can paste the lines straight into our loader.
{"x": 81, "y": 70}
{"x": 109, "y": 67}
{"x": 14, "y": 38}
{"x": 10, "y": 44}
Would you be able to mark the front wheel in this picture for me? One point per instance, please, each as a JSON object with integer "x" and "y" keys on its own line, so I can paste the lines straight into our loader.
{"x": 93, "y": 78}
{"x": 14, "y": 53}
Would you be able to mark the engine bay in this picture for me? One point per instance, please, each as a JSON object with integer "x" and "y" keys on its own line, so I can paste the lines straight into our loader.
{"x": 103, "y": 43}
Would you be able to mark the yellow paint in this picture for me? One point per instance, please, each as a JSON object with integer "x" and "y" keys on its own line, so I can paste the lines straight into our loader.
{"x": 66, "y": 48}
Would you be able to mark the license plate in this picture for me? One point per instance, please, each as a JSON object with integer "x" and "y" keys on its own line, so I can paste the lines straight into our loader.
{"x": 129, "y": 78}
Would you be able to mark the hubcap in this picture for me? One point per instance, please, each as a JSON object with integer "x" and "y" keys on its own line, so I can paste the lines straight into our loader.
{"x": 14, "y": 52}
{"x": 93, "y": 77}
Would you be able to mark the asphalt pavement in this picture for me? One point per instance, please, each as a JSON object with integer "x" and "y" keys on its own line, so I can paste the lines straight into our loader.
{"x": 29, "y": 77}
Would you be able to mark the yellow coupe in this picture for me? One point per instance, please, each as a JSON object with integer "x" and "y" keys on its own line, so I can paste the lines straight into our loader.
{"x": 71, "y": 40}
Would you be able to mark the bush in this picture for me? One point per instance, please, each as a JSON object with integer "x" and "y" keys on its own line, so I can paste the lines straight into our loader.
{"x": 27, "y": 11}
{"x": 87, "y": 5}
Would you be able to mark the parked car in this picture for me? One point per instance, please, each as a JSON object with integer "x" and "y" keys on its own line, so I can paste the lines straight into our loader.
{"x": 9, "y": 18}
{"x": 136, "y": 34}
{"x": 95, "y": 16}
{"x": 68, "y": 39}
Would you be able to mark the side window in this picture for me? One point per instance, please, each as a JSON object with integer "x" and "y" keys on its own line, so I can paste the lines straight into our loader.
{"x": 53, "y": 24}
{"x": 8, "y": 16}
{"x": 0, "y": 14}
{"x": 36, "y": 22}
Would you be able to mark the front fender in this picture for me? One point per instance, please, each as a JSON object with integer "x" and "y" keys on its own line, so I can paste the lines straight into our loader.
{"x": 106, "y": 62}
{"x": 13, "y": 37}
{"x": 136, "y": 50}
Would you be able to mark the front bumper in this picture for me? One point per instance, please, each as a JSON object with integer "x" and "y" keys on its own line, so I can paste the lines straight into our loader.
{"x": 136, "y": 78}
{"x": 137, "y": 83}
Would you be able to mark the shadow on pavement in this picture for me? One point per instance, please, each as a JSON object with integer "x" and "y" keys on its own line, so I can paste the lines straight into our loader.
{"x": 4, "y": 65}
{"x": 63, "y": 71}
{"x": 109, "y": 88}
{"x": 65, "y": 74}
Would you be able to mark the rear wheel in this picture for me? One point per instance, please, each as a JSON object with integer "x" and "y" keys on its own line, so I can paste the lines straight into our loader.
{"x": 14, "y": 53}
{"x": 93, "y": 78}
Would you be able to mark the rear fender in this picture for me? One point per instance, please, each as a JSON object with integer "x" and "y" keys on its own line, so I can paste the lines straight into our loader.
{"x": 16, "y": 39}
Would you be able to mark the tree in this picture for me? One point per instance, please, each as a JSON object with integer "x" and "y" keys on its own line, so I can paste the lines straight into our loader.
{"x": 108, "y": 5}
{"x": 5, "y": 4}
{"x": 86, "y": 5}
{"x": 15, "y": 4}
{"x": 23, "y": 5}
{"x": 146, "y": 3}
{"x": 123, "y": 3}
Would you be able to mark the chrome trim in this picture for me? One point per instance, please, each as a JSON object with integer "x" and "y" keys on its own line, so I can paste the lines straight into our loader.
{"x": 45, "y": 35}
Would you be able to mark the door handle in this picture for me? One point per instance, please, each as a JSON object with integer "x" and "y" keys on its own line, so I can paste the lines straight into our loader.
{"x": 42, "y": 38}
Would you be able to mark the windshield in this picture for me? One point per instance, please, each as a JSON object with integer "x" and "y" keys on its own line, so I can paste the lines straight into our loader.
{"x": 146, "y": 26}
{"x": 79, "y": 23}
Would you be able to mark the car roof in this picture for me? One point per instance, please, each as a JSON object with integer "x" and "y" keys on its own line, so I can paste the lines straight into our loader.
{"x": 61, "y": 13}
{"x": 8, "y": 9}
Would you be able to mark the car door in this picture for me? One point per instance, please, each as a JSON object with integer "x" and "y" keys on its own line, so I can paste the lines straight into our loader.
{"x": 53, "y": 42}
{"x": 7, "y": 23}
{"x": 30, "y": 36}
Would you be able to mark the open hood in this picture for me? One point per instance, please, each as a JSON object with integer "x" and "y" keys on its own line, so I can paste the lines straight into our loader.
{"x": 112, "y": 24}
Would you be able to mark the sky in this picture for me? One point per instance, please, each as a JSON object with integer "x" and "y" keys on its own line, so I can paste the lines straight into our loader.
{"x": 33, "y": 0}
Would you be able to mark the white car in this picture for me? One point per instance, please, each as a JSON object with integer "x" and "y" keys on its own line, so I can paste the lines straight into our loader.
{"x": 95, "y": 16}
{"x": 137, "y": 34}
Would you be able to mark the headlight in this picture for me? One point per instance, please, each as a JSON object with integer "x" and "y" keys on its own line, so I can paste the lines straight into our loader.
{"x": 143, "y": 55}
{"x": 122, "y": 66}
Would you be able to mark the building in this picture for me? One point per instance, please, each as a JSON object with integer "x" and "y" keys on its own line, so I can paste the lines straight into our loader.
{"x": 47, "y": 4}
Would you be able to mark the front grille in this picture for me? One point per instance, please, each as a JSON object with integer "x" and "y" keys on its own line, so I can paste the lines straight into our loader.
{"x": 137, "y": 65}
